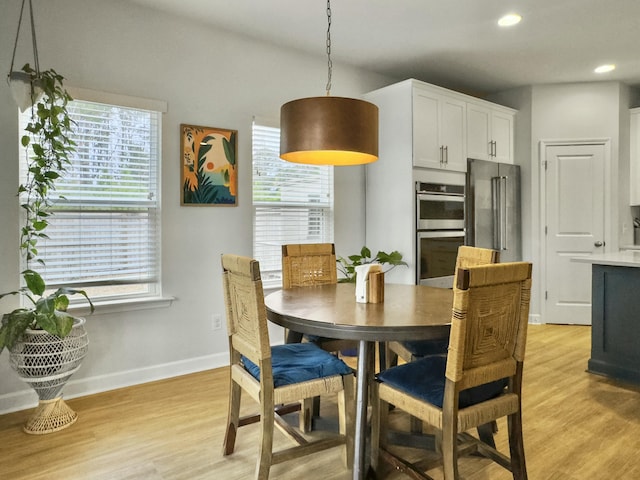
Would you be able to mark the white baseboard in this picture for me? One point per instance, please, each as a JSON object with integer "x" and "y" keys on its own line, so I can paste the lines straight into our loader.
{"x": 27, "y": 398}
{"x": 535, "y": 319}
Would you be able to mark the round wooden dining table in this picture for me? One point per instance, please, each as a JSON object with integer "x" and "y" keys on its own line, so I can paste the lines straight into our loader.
{"x": 408, "y": 312}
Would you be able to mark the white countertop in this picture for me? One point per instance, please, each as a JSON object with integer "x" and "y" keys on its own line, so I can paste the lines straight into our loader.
{"x": 623, "y": 258}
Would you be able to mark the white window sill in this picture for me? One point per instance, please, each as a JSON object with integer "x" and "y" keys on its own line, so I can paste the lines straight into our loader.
{"x": 119, "y": 306}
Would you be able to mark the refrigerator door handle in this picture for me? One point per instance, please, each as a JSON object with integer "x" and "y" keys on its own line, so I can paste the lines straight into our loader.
{"x": 499, "y": 208}
{"x": 504, "y": 240}
{"x": 496, "y": 211}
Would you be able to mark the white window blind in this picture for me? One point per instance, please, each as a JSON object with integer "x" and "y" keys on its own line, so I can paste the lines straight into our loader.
{"x": 104, "y": 234}
{"x": 293, "y": 203}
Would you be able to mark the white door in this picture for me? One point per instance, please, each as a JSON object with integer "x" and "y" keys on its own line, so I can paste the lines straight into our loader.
{"x": 574, "y": 214}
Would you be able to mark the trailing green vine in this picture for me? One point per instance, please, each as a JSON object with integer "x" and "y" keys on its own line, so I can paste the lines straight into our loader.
{"x": 48, "y": 149}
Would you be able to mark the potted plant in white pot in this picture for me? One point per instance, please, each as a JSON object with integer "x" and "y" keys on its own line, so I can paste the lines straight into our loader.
{"x": 46, "y": 344}
{"x": 347, "y": 266}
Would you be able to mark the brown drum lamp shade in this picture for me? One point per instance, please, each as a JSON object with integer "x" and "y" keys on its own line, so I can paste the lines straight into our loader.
{"x": 329, "y": 131}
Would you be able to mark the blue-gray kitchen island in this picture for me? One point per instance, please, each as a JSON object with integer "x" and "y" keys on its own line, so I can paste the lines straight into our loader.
{"x": 615, "y": 315}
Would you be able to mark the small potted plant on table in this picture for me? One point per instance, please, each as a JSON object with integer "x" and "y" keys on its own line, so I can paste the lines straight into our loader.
{"x": 347, "y": 266}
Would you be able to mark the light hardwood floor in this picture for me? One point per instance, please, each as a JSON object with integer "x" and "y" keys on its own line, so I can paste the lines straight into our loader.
{"x": 576, "y": 426}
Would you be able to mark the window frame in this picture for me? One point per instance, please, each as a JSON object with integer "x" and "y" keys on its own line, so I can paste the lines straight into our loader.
{"x": 154, "y": 297}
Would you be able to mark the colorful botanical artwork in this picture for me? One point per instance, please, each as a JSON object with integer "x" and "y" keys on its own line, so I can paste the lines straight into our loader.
{"x": 209, "y": 168}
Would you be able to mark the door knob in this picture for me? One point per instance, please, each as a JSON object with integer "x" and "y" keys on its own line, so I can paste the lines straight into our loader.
{"x": 598, "y": 244}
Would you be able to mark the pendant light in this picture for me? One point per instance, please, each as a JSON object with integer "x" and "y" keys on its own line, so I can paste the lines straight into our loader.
{"x": 25, "y": 87}
{"x": 329, "y": 130}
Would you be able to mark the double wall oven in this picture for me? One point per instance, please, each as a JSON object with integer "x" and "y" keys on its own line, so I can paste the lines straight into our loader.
{"x": 439, "y": 232}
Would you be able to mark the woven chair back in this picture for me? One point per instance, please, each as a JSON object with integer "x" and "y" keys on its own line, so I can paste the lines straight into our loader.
{"x": 473, "y": 257}
{"x": 305, "y": 265}
{"x": 246, "y": 312}
{"x": 489, "y": 323}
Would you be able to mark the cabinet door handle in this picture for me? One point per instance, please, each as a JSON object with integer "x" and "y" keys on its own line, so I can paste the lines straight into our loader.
{"x": 441, "y": 155}
{"x": 446, "y": 155}
{"x": 495, "y": 148}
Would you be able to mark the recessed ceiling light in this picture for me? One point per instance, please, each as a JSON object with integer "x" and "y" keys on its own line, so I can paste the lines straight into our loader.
{"x": 605, "y": 68}
{"x": 509, "y": 20}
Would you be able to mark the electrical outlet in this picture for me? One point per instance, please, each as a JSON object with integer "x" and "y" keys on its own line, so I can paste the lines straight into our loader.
{"x": 216, "y": 321}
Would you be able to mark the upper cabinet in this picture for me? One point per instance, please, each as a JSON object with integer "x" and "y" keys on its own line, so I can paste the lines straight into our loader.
{"x": 490, "y": 132}
{"x": 634, "y": 191}
{"x": 438, "y": 130}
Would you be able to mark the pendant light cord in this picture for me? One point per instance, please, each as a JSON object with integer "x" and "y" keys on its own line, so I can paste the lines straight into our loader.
{"x": 329, "y": 64}
{"x": 36, "y": 62}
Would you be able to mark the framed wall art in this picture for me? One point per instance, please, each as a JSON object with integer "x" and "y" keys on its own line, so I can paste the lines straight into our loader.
{"x": 209, "y": 166}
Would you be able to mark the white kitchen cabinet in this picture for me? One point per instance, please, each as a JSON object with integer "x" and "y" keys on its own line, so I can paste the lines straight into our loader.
{"x": 438, "y": 130}
{"x": 416, "y": 121}
{"x": 489, "y": 132}
{"x": 634, "y": 190}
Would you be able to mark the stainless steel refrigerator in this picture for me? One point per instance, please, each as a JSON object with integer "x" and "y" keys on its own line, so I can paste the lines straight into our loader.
{"x": 492, "y": 208}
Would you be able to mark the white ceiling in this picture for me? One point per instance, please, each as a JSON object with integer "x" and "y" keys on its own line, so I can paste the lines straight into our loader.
{"x": 453, "y": 43}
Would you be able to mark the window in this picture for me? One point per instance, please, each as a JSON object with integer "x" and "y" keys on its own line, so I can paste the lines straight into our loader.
{"x": 293, "y": 203}
{"x": 104, "y": 236}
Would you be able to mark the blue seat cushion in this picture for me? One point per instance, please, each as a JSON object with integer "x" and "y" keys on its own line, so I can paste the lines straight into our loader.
{"x": 350, "y": 352}
{"x": 299, "y": 362}
{"x": 424, "y": 348}
{"x": 424, "y": 379}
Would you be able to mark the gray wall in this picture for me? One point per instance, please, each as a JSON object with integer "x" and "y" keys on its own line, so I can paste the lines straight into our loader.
{"x": 208, "y": 77}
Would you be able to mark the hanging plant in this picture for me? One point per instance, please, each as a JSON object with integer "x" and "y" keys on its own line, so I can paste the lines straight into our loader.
{"x": 48, "y": 149}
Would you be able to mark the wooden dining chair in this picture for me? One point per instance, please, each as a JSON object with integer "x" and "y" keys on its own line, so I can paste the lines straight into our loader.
{"x": 307, "y": 265}
{"x": 310, "y": 264}
{"x": 479, "y": 381}
{"x": 411, "y": 350}
{"x": 414, "y": 349}
{"x": 278, "y": 375}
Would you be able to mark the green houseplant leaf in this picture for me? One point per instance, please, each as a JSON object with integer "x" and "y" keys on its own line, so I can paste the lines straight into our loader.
{"x": 347, "y": 266}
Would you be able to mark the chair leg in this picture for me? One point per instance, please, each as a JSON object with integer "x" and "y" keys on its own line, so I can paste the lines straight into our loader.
{"x": 485, "y": 433}
{"x": 516, "y": 446}
{"x": 391, "y": 358}
{"x": 346, "y": 416}
{"x": 416, "y": 424}
{"x": 449, "y": 449}
{"x": 379, "y": 419}
{"x": 266, "y": 440}
{"x": 316, "y": 406}
{"x": 233, "y": 419}
{"x": 306, "y": 415}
